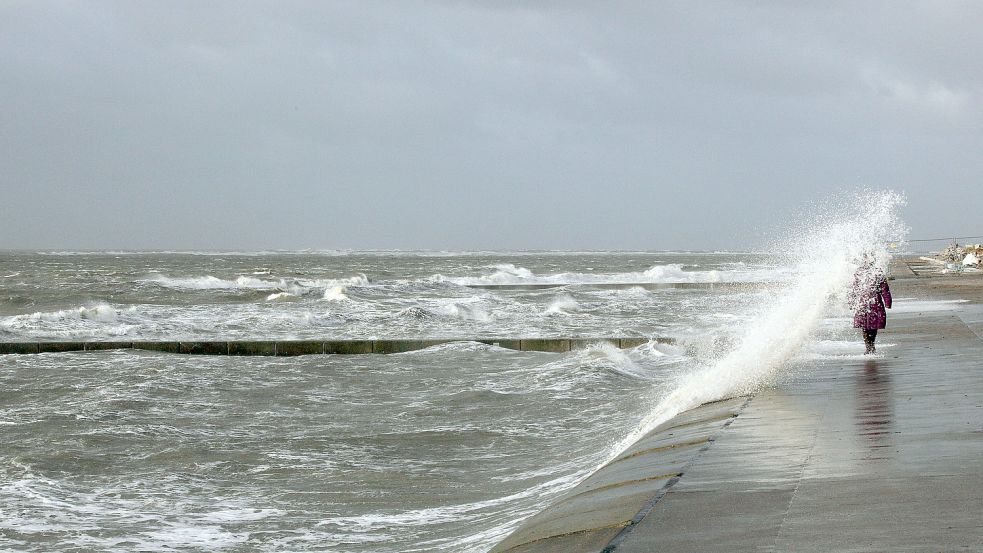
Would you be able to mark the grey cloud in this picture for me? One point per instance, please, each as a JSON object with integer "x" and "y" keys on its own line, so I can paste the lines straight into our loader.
{"x": 477, "y": 125}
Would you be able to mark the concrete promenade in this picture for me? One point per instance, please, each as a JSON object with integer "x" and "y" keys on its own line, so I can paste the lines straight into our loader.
{"x": 876, "y": 454}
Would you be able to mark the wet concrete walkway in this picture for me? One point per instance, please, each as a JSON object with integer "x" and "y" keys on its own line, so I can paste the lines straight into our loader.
{"x": 877, "y": 454}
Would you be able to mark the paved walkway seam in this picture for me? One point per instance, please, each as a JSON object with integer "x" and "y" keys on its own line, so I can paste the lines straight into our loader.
{"x": 971, "y": 329}
{"x": 664, "y": 490}
{"x": 802, "y": 469}
{"x": 620, "y": 484}
{"x": 583, "y": 531}
{"x": 658, "y": 449}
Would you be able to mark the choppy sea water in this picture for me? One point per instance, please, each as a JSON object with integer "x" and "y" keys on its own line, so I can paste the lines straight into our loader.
{"x": 65, "y": 296}
{"x": 444, "y": 449}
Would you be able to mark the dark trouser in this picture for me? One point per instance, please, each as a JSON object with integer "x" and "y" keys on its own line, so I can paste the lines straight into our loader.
{"x": 870, "y": 334}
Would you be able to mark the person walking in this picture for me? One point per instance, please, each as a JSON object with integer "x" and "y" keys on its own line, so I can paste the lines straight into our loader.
{"x": 869, "y": 298}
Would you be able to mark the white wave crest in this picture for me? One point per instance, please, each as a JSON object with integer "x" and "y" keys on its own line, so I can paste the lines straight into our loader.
{"x": 464, "y": 346}
{"x": 465, "y": 312}
{"x": 281, "y": 296}
{"x": 100, "y": 319}
{"x": 297, "y": 287}
{"x": 672, "y": 273}
{"x": 336, "y": 293}
{"x": 98, "y": 312}
{"x": 563, "y": 304}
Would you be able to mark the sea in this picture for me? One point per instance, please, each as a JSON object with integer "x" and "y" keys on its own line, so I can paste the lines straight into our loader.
{"x": 447, "y": 448}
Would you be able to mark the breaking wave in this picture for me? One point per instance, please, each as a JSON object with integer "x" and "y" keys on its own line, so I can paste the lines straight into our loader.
{"x": 70, "y": 323}
{"x": 563, "y": 304}
{"x": 282, "y": 296}
{"x": 296, "y": 287}
{"x": 672, "y": 273}
{"x": 335, "y": 293}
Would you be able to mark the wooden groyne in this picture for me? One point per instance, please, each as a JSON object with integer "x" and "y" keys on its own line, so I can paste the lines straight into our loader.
{"x": 625, "y": 285}
{"x": 313, "y": 347}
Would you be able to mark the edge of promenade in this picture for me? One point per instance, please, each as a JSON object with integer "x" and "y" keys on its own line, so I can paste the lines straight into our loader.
{"x": 861, "y": 454}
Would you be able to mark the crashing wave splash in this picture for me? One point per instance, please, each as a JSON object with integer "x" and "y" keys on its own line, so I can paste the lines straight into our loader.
{"x": 822, "y": 258}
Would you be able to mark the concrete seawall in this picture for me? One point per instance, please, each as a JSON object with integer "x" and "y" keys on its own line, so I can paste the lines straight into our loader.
{"x": 877, "y": 453}
{"x": 592, "y": 515}
{"x": 313, "y": 347}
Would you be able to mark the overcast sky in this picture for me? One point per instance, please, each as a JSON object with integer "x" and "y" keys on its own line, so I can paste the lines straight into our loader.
{"x": 476, "y": 125}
